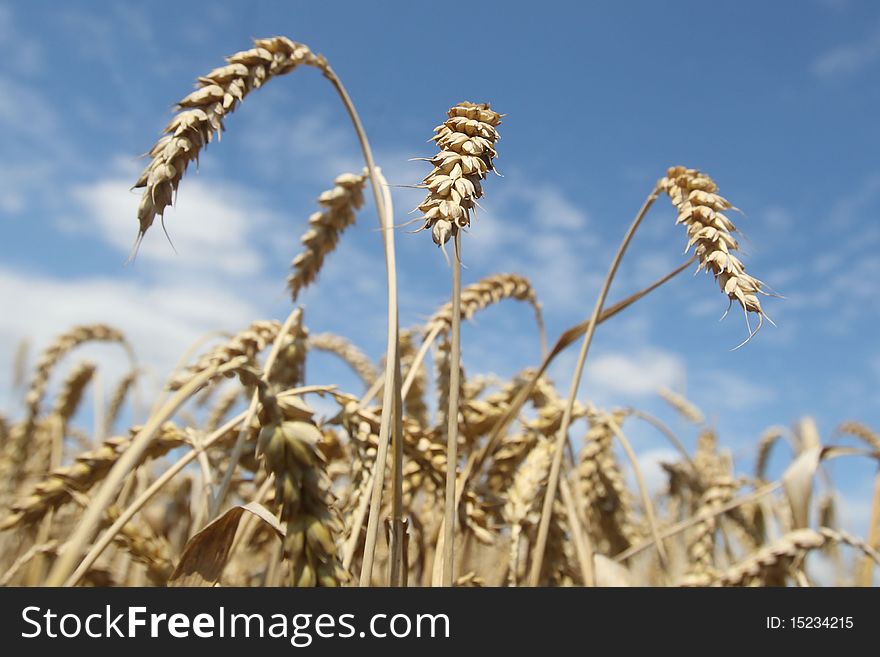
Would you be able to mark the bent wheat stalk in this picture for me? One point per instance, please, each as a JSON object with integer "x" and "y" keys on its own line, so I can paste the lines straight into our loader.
{"x": 562, "y": 436}
{"x": 201, "y": 117}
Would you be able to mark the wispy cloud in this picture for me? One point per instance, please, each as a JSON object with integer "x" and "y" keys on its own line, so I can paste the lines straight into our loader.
{"x": 849, "y": 58}
{"x": 636, "y": 374}
{"x": 21, "y": 53}
{"x": 213, "y": 227}
{"x": 160, "y": 319}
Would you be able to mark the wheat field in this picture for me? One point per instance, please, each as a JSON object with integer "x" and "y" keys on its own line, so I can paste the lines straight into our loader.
{"x": 429, "y": 475}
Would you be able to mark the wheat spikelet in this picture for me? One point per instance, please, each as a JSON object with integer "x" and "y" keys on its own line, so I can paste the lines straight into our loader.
{"x": 117, "y": 399}
{"x": 770, "y": 564}
{"x": 710, "y": 232}
{"x": 507, "y": 458}
{"x": 765, "y": 445}
{"x": 701, "y": 549}
{"x": 467, "y": 146}
{"x": 249, "y": 343}
{"x": 200, "y": 116}
{"x": 290, "y": 450}
{"x": 480, "y": 295}
{"x": 144, "y": 547}
{"x": 62, "y": 345}
{"x": 354, "y": 357}
{"x": 684, "y": 406}
{"x": 608, "y": 504}
{"x": 861, "y": 431}
{"x": 72, "y": 390}
{"x": 325, "y": 227}
{"x": 87, "y": 470}
{"x": 523, "y": 499}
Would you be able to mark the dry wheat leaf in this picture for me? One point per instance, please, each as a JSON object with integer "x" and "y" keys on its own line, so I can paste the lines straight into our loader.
{"x": 798, "y": 479}
{"x": 206, "y": 553}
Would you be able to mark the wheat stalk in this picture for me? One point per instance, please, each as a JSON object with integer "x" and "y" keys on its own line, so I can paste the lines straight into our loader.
{"x": 467, "y": 147}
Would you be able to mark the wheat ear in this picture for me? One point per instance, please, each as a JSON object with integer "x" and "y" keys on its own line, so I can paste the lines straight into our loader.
{"x": 325, "y": 227}
{"x": 700, "y": 207}
{"x": 467, "y": 147}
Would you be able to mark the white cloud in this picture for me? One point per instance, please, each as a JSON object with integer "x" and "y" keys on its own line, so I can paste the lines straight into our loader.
{"x": 213, "y": 227}
{"x": 160, "y": 320}
{"x": 20, "y": 53}
{"x": 635, "y": 374}
{"x": 721, "y": 389}
{"x": 848, "y": 58}
{"x": 25, "y": 111}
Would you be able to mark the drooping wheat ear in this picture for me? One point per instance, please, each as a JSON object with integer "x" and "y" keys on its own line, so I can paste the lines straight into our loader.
{"x": 249, "y": 343}
{"x": 467, "y": 146}
{"x": 482, "y": 294}
{"x": 63, "y": 344}
{"x": 88, "y": 469}
{"x": 765, "y": 445}
{"x": 608, "y": 504}
{"x": 145, "y": 547}
{"x": 694, "y": 195}
{"x": 354, "y": 357}
{"x": 291, "y": 453}
{"x": 686, "y": 408}
{"x": 769, "y": 565}
{"x": 523, "y": 499}
{"x": 117, "y": 399}
{"x": 72, "y": 389}
{"x": 701, "y": 548}
{"x": 325, "y": 227}
{"x": 200, "y": 116}
{"x": 861, "y": 431}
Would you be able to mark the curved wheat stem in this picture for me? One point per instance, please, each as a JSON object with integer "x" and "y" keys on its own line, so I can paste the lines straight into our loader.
{"x": 550, "y": 493}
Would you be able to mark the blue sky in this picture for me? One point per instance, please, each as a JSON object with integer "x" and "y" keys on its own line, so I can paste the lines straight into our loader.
{"x": 776, "y": 101}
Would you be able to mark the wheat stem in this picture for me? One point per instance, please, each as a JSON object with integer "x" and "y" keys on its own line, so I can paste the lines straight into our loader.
{"x": 452, "y": 418}
{"x": 550, "y": 494}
